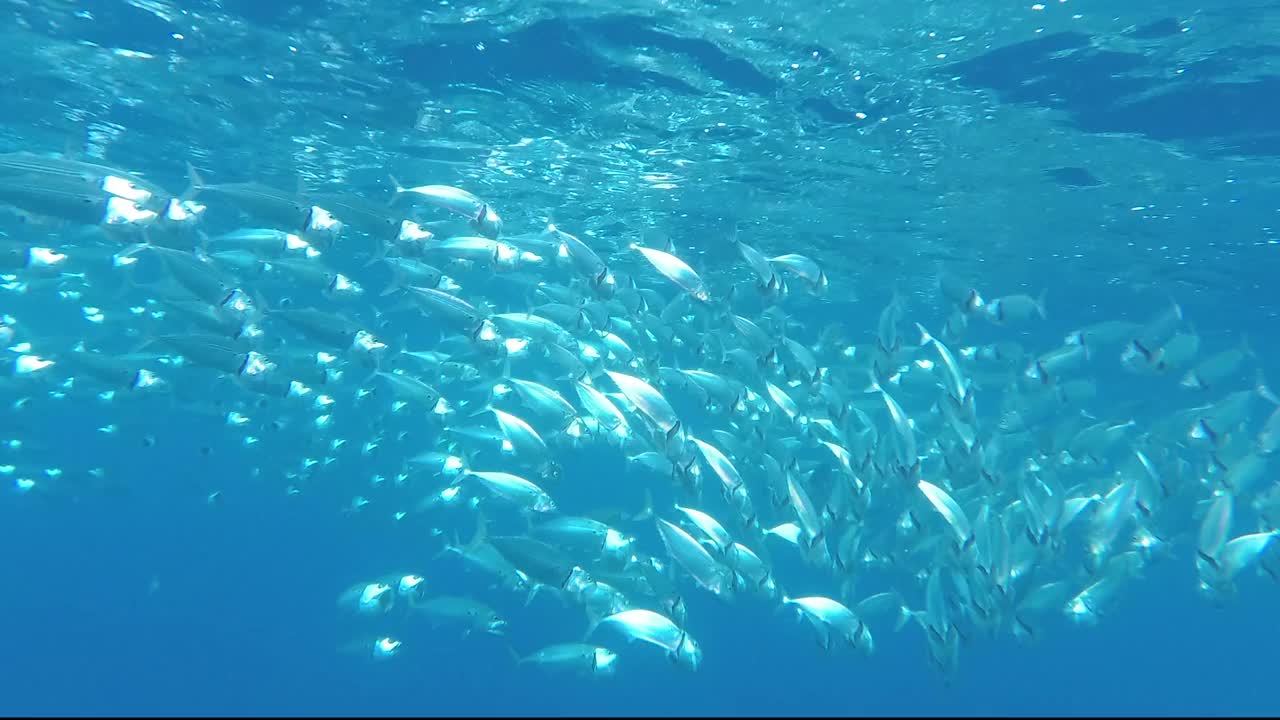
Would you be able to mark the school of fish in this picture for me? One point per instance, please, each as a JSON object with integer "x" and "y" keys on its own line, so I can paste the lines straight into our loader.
{"x": 863, "y": 482}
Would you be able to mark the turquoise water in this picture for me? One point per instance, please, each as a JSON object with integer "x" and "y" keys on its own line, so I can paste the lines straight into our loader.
{"x": 1116, "y": 160}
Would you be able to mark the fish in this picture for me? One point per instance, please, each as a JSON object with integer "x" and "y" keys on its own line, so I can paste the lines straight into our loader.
{"x": 648, "y": 400}
{"x": 73, "y": 201}
{"x": 696, "y": 561}
{"x": 830, "y": 616}
{"x": 1211, "y": 371}
{"x": 514, "y": 489}
{"x": 629, "y": 437}
{"x": 657, "y": 629}
{"x": 1014, "y": 308}
{"x": 111, "y": 180}
{"x": 675, "y": 270}
{"x": 805, "y": 268}
{"x": 576, "y": 658}
{"x": 471, "y": 615}
{"x": 289, "y": 211}
{"x": 482, "y": 217}
{"x": 950, "y": 511}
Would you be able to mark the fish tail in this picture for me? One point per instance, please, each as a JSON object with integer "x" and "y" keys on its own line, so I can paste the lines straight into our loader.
{"x": 1142, "y": 350}
{"x": 1263, "y": 390}
{"x": 481, "y": 533}
{"x": 397, "y": 283}
{"x": 1246, "y": 347}
{"x": 873, "y": 385}
{"x": 904, "y": 616}
{"x": 646, "y": 511}
{"x": 511, "y": 651}
{"x": 925, "y": 337}
{"x": 202, "y": 242}
{"x": 381, "y": 248}
{"x": 455, "y": 546}
{"x": 594, "y": 619}
{"x": 533, "y": 593}
{"x": 401, "y": 344}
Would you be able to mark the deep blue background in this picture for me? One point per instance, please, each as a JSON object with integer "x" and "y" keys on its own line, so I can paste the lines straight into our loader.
{"x": 82, "y": 635}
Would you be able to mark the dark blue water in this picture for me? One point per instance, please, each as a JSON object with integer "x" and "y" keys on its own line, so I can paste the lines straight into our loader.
{"x": 242, "y": 622}
{"x": 143, "y": 598}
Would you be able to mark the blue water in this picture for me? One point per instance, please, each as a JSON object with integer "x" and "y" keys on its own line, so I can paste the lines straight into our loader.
{"x": 138, "y": 596}
{"x": 85, "y": 637}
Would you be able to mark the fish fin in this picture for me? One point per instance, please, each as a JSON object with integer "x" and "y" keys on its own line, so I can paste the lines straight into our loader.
{"x": 1260, "y": 385}
{"x": 925, "y": 337}
{"x": 195, "y": 183}
{"x": 824, "y": 638}
{"x": 1246, "y": 347}
{"x": 202, "y": 243}
{"x": 397, "y": 282}
{"x": 372, "y": 373}
{"x": 646, "y": 511}
{"x": 454, "y": 547}
{"x": 593, "y": 622}
{"x": 381, "y": 248}
{"x": 1040, "y": 307}
{"x": 132, "y": 250}
{"x": 395, "y": 184}
{"x": 481, "y": 533}
{"x": 401, "y": 344}
{"x": 904, "y": 616}
{"x": 1209, "y": 559}
{"x": 511, "y": 650}
{"x": 147, "y": 341}
{"x": 873, "y": 385}
{"x": 674, "y": 432}
{"x": 1262, "y": 565}
{"x": 504, "y": 372}
{"x": 1024, "y": 627}
{"x": 487, "y": 408}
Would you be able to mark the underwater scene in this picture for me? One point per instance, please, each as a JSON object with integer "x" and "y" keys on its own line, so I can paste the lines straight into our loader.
{"x": 734, "y": 357}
